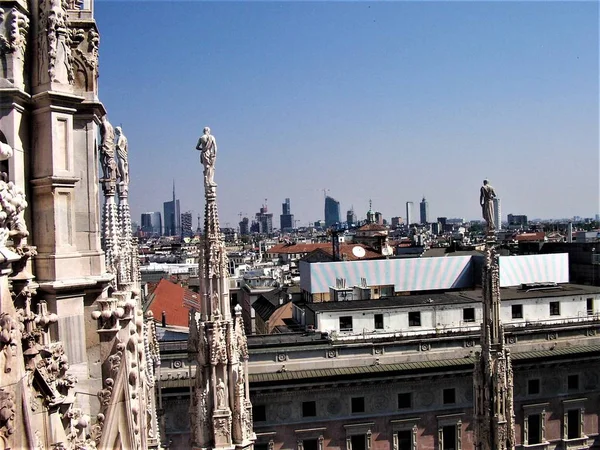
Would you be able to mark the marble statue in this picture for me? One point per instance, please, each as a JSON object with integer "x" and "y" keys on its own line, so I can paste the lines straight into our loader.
{"x": 122, "y": 162}
{"x": 208, "y": 154}
{"x": 107, "y": 150}
{"x": 221, "y": 394}
{"x": 486, "y": 199}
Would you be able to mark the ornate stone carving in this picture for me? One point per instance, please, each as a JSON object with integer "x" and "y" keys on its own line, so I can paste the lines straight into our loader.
{"x": 12, "y": 204}
{"x": 55, "y": 59}
{"x": 493, "y": 376}
{"x": 18, "y": 24}
{"x": 7, "y": 413}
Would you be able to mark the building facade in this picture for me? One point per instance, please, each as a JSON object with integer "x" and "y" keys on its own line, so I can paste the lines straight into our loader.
{"x": 78, "y": 353}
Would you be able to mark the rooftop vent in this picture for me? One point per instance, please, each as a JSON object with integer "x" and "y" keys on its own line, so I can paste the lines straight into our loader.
{"x": 540, "y": 286}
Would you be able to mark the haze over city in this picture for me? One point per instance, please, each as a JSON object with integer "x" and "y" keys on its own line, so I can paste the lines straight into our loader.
{"x": 381, "y": 101}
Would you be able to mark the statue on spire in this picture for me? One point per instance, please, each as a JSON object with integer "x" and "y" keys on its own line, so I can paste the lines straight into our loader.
{"x": 220, "y": 412}
{"x": 208, "y": 154}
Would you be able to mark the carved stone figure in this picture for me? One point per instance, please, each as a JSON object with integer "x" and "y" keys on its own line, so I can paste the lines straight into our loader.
{"x": 486, "y": 200}
{"x": 107, "y": 150}
{"x": 121, "y": 147}
{"x": 221, "y": 394}
{"x": 208, "y": 154}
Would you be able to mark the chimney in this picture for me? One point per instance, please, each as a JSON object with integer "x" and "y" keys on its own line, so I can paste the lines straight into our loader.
{"x": 570, "y": 232}
{"x": 164, "y": 319}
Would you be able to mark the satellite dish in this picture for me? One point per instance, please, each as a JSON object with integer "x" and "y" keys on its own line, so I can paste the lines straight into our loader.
{"x": 385, "y": 251}
{"x": 358, "y": 251}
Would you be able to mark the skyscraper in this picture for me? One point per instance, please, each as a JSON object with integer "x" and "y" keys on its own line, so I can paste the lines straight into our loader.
{"x": 264, "y": 221}
{"x": 286, "y": 219}
{"x": 172, "y": 216}
{"x": 497, "y": 214}
{"x": 424, "y": 206}
{"x": 151, "y": 222}
{"x": 409, "y": 217}
{"x": 186, "y": 224}
{"x": 245, "y": 226}
{"x": 332, "y": 211}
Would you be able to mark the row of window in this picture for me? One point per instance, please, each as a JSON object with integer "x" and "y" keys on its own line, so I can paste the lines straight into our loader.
{"x": 414, "y": 317}
{"x": 357, "y": 404}
{"x": 405, "y": 399}
{"x": 448, "y": 435}
{"x": 533, "y": 384}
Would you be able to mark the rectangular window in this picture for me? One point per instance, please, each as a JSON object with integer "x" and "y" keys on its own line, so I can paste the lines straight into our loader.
{"x": 555, "y": 308}
{"x": 379, "y": 321}
{"x": 404, "y": 400}
{"x": 358, "y": 442}
{"x": 309, "y": 409}
{"x": 533, "y": 386}
{"x": 346, "y": 323}
{"x": 534, "y": 429}
{"x": 358, "y": 404}
{"x": 517, "y": 311}
{"x": 573, "y": 424}
{"x": 310, "y": 444}
{"x": 414, "y": 319}
{"x": 449, "y": 437}
{"x": 573, "y": 382}
{"x": 259, "y": 412}
{"x": 405, "y": 440}
{"x": 590, "y": 306}
{"x": 449, "y": 396}
{"x": 469, "y": 314}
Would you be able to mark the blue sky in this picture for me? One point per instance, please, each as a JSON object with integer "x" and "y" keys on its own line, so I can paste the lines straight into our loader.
{"x": 386, "y": 101}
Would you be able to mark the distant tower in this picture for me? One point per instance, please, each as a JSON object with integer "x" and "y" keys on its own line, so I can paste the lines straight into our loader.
{"x": 186, "y": 224}
{"x": 424, "y": 211}
{"x": 497, "y": 214}
{"x": 332, "y": 211}
{"x": 286, "y": 219}
{"x": 199, "y": 228}
{"x": 350, "y": 218}
{"x": 370, "y": 213}
{"x": 409, "y": 217}
{"x": 493, "y": 375}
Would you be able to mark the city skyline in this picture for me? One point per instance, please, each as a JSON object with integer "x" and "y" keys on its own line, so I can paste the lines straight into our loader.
{"x": 405, "y": 99}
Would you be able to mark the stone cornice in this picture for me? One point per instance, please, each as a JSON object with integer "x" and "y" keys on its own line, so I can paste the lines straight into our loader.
{"x": 61, "y": 286}
{"x": 51, "y": 99}
{"x": 14, "y": 97}
{"x": 54, "y": 182}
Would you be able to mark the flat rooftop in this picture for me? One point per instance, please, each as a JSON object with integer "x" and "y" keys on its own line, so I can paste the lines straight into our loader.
{"x": 518, "y": 293}
{"x": 458, "y": 297}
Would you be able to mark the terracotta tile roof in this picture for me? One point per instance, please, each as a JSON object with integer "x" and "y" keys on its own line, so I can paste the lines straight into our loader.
{"x": 284, "y": 249}
{"x": 539, "y": 236}
{"x": 372, "y": 227}
{"x": 173, "y": 300}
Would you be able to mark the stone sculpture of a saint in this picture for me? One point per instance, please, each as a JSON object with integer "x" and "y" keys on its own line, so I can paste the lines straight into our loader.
{"x": 486, "y": 199}
{"x": 221, "y": 394}
{"x": 107, "y": 150}
{"x": 121, "y": 150}
{"x": 208, "y": 154}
